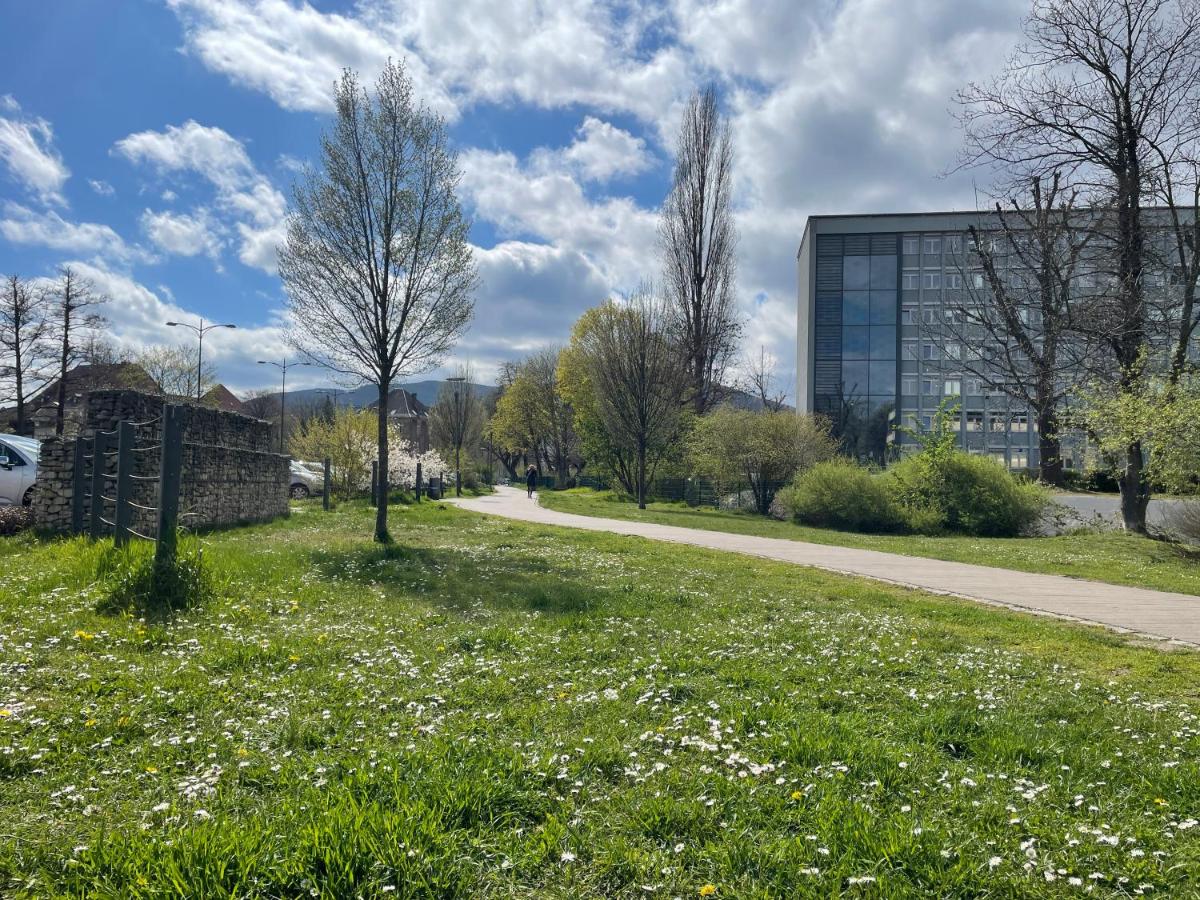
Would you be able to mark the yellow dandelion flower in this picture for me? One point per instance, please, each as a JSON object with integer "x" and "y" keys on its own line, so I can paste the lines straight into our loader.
{"x": 152, "y": 770}
{"x": 243, "y": 752}
{"x": 797, "y": 795}
{"x": 5, "y": 713}
{"x": 1160, "y": 801}
{"x": 124, "y": 720}
{"x": 89, "y": 723}
{"x": 708, "y": 890}
{"x": 81, "y": 635}
{"x": 293, "y": 658}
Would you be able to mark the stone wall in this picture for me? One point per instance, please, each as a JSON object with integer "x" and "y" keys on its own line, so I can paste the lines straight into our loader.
{"x": 230, "y": 473}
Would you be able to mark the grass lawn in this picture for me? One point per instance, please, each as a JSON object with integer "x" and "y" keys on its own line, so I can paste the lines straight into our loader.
{"x": 493, "y": 709}
{"x": 1109, "y": 556}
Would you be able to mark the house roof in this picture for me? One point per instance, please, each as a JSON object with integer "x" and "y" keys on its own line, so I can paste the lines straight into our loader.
{"x": 98, "y": 376}
{"x": 222, "y": 398}
{"x": 403, "y": 404}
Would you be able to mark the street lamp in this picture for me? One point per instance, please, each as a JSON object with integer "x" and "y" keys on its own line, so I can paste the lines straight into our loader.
{"x": 200, "y": 331}
{"x": 282, "y": 367}
{"x": 459, "y": 428}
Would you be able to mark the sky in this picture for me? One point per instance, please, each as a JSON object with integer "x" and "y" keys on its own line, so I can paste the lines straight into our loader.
{"x": 153, "y": 144}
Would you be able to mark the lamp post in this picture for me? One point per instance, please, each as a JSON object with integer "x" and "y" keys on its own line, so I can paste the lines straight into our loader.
{"x": 200, "y": 330}
{"x": 282, "y": 366}
{"x": 459, "y": 429}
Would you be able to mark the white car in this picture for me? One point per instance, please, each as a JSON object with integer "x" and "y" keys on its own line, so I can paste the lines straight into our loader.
{"x": 18, "y": 469}
{"x": 308, "y": 479}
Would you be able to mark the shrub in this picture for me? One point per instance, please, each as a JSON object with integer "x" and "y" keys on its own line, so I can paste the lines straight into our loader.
{"x": 14, "y": 519}
{"x": 964, "y": 493}
{"x": 840, "y": 494}
{"x": 135, "y": 583}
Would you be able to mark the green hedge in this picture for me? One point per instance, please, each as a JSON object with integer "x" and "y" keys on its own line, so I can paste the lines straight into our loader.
{"x": 842, "y": 495}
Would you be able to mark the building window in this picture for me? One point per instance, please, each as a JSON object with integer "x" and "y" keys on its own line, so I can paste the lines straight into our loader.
{"x": 910, "y": 280}
{"x": 1020, "y": 458}
{"x": 954, "y": 280}
{"x": 1020, "y": 423}
{"x": 953, "y": 351}
{"x": 975, "y": 386}
{"x": 908, "y": 386}
{"x": 908, "y": 350}
{"x": 997, "y": 423}
{"x": 908, "y": 315}
{"x": 954, "y": 243}
{"x": 931, "y": 281}
{"x": 928, "y": 351}
{"x": 974, "y": 421}
{"x": 912, "y": 245}
{"x": 977, "y": 280}
{"x": 929, "y": 315}
{"x": 933, "y": 245}
{"x": 952, "y": 387}
{"x": 928, "y": 387}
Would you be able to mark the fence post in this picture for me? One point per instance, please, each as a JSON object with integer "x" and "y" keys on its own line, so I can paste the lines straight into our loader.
{"x": 78, "y": 484}
{"x": 325, "y": 487}
{"x": 418, "y": 491}
{"x": 375, "y": 483}
{"x": 123, "y": 512}
{"x": 100, "y": 447}
{"x": 170, "y": 472}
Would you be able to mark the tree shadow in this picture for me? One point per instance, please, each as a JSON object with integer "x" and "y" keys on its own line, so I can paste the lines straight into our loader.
{"x": 460, "y": 581}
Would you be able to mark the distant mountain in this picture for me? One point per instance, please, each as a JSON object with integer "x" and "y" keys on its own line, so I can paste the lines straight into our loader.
{"x": 426, "y": 392}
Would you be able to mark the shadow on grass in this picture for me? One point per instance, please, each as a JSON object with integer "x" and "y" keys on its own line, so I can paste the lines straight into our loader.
{"x": 461, "y": 581}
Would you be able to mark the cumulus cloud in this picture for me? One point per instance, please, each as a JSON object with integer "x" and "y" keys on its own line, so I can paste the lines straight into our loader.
{"x": 27, "y": 151}
{"x": 46, "y": 228}
{"x": 182, "y": 234}
{"x": 602, "y": 151}
{"x": 248, "y": 197}
{"x": 545, "y": 54}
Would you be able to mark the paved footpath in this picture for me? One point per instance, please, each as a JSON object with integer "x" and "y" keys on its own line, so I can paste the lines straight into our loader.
{"x": 1157, "y": 614}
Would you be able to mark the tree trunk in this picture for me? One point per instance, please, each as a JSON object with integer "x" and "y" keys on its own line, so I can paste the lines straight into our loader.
{"x": 60, "y": 417}
{"x": 381, "y": 529}
{"x": 641, "y": 477}
{"x": 1135, "y": 492}
{"x": 1050, "y": 464}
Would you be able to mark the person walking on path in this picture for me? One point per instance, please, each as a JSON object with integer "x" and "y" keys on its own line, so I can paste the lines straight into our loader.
{"x": 530, "y": 481}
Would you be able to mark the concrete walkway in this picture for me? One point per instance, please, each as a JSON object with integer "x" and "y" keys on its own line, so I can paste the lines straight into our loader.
{"x": 1156, "y": 614}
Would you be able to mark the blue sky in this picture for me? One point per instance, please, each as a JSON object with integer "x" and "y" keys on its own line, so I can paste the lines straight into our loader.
{"x": 152, "y": 143}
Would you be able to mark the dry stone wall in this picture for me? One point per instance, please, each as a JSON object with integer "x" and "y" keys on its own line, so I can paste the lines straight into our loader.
{"x": 230, "y": 472}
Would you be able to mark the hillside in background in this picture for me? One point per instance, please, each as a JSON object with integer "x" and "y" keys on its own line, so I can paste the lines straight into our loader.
{"x": 426, "y": 391}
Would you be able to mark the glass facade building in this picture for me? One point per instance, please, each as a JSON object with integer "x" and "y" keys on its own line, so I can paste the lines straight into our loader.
{"x": 874, "y": 294}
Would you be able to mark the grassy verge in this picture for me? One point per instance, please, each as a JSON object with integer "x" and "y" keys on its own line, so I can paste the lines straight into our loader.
{"x": 494, "y": 709}
{"x": 1108, "y": 556}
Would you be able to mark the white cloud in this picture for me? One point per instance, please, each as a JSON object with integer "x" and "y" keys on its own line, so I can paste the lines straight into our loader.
{"x": 602, "y": 151}
{"x": 182, "y": 234}
{"x": 615, "y": 235}
{"x": 101, "y": 187}
{"x": 256, "y": 207}
{"x": 27, "y": 151}
{"x": 47, "y": 228}
{"x": 549, "y": 55}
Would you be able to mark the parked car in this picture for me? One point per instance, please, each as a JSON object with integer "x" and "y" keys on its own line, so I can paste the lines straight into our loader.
{"x": 308, "y": 480}
{"x": 18, "y": 469}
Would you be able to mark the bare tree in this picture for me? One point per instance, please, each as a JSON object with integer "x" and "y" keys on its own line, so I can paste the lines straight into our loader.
{"x": 376, "y": 263}
{"x": 698, "y": 241}
{"x": 456, "y": 419}
{"x": 763, "y": 382}
{"x": 639, "y": 378}
{"x": 174, "y": 370}
{"x": 74, "y": 301}
{"x": 1102, "y": 91}
{"x": 25, "y": 347}
{"x": 1177, "y": 247}
{"x": 1017, "y": 314}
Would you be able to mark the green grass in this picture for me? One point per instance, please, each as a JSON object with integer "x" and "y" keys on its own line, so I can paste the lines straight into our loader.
{"x": 1100, "y": 556}
{"x": 493, "y": 709}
